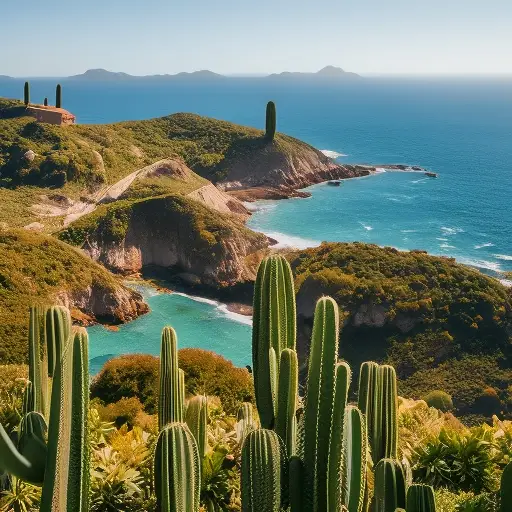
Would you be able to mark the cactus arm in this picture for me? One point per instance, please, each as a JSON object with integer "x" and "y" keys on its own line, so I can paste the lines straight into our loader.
{"x": 343, "y": 377}
{"x": 245, "y": 421}
{"x": 420, "y": 498}
{"x": 506, "y": 489}
{"x": 35, "y": 369}
{"x": 16, "y": 464}
{"x": 182, "y": 404}
{"x": 58, "y": 329}
{"x": 389, "y": 487}
{"x": 319, "y": 403}
{"x": 170, "y": 403}
{"x": 287, "y": 399}
{"x": 79, "y": 455}
{"x": 296, "y": 482}
{"x": 197, "y": 418}
{"x": 389, "y": 423}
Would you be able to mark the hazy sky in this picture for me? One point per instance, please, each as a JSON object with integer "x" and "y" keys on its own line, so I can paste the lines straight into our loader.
{"x": 64, "y": 37}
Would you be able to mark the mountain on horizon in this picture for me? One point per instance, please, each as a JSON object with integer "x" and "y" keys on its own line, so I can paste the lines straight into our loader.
{"x": 330, "y": 72}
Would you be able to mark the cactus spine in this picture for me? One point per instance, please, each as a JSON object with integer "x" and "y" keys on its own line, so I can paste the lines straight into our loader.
{"x": 26, "y": 94}
{"x": 420, "y": 498}
{"x": 58, "y": 96}
{"x": 389, "y": 486}
{"x": 170, "y": 403}
{"x": 270, "y": 121}
{"x": 343, "y": 377}
{"x": 274, "y": 327}
{"x": 264, "y": 479}
{"x": 196, "y": 418}
{"x": 506, "y": 488}
{"x": 177, "y": 470}
{"x": 286, "y": 423}
{"x": 319, "y": 403}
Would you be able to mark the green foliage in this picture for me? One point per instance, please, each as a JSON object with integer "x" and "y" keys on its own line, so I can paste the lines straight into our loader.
{"x": 58, "y": 96}
{"x": 506, "y": 488}
{"x": 12, "y": 386}
{"x": 440, "y": 400}
{"x": 270, "y": 121}
{"x": 129, "y": 411}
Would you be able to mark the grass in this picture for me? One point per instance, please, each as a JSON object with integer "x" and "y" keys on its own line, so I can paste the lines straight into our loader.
{"x": 34, "y": 269}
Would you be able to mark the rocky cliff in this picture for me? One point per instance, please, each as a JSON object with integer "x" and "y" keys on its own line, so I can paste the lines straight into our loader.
{"x": 176, "y": 232}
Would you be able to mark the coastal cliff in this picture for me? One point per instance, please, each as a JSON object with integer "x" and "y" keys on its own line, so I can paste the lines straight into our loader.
{"x": 38, "y": 269}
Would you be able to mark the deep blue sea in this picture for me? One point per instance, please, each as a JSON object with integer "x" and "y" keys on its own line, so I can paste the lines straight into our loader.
{"x": 459, "y": 128}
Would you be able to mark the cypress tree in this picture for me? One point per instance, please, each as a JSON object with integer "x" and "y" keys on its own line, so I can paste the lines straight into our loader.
{"x": 270, "y": 125}
{"x": 26, "y": 93}
{"x": 58, "y": 96}
{"x": 46, "y": 102}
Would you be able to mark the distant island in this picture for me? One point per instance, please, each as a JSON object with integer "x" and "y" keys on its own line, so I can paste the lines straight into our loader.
{"x": 328, "y": 72}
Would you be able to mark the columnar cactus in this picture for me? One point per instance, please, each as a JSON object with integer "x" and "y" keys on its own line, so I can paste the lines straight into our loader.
{"x": 286, "y": 423}
{"x": 170, "y": 400}
{"x": 378, "y": 401}
{"x": 343, "y": 377}
{"x": 58, "y": 96}
{"x": 270, "y": 121}
{"x": 420, "y": 498}
{"x": 26, "y": 94}
{"x": 389, "y": 486}
{"x": 319, "y": 403}
{"x": 355, "y": 448}
{"x": 196, "y": 418}
{"x": 177, "y": 470}
{"x": 274, "y": 327}
{"x": 245, "y": 421}
{"x": 506, "y": 489}
{"x": 264, "y": 476}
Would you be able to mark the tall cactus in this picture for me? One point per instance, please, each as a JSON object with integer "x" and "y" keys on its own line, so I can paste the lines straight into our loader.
{"x": 26, "y": 94}
{"x": 389, "y": 486}
{"x": 196, "y": 418}
{"x": 506, "y": 489}
{"x": 286, "y": 423}
{"x": 274, "y": 326}
{"x": 58, "y": 96}
{"x": 378, "y": 400}
{"x": 420, "y": 498}
{"x": 355, "y": 448}
{"x": 245, "y": 421}
{"x": 264, "y": 476}
{"x": 170, "y": 400}
{"x": 319, "y": 403}
{"x": 270, "y": 121}
{"x": 177, "y": 470}
{"x": 343, "y": 377}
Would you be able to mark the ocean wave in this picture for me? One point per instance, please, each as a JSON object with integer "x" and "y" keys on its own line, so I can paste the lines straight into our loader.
{"x": 447, "y": 246}
{"x": 366, "y": 226}
{"x": 408, "y": 231}
{"x": 263, "y": 205}
{"x": 504, "y": 257}
{"x": 394, "y": 199}
{"x": 481, "y": 246}
{"x": 481, "y": 264}
{"x": 442, "y": 239}
{"x": 289, "y": 241}
{"x": 506, "y": 282}
{"x": 221, "y": 307}
{"x": 451, "y": 231}
{"x": 379, "y": 170}
{"x": 332, "y": 154}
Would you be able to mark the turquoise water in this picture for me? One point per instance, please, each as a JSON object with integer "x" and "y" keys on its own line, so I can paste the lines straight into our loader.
{"x": 461, "y": 129}
{"x": 199, "y": 323}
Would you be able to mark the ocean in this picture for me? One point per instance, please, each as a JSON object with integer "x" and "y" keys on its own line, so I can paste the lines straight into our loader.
{"x": 458, "y": 128}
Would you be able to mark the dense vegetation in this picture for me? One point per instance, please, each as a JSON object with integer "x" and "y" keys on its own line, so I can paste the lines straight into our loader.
{"x": 34, "y": 269}
{"x": 444, "y": 326}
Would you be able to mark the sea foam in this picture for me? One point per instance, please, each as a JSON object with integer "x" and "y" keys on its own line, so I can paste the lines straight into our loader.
{"x": 504, "y": 257}
{"x": 332, "y": 154}
{"x": 289, "y": 241}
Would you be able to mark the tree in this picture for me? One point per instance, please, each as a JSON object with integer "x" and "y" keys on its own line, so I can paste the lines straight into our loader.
{"x": 58, "y": 96}
{"x": 27, "y": 94}
{"x": 270, "y": 125}
{"x": 46, "y": 102}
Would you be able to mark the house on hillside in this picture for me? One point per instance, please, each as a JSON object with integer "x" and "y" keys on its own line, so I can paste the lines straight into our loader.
{"x": 51, "y": 115}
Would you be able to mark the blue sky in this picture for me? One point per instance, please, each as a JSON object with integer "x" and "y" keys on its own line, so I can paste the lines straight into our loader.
{"x": 63, "y": 37}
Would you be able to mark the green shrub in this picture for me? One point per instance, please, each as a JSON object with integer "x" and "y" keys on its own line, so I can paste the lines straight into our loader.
{"x": 128, "y": 411}
{"x": 12, "y": 383}
{"x": 439, "y": 399}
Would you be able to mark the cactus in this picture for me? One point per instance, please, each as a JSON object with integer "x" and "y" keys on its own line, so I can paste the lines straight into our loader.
{"x": 177, "y": 470}
{"x": 343, "y": 377}
{"x": 26, "y": 94}
{"x": 420, "y": 498}
{"x": 378, "y": 400}
{"x": 506, "y": 489}
{"x": 296, "y": 475}
{"x": 286, "y": 423}
{"x": 58, "y": 96}
{"x": 274, "y": 326}
{"x": 319, "y": 403}
{"x": 270, "y": 121}
{"x": 355, "y": 448}
{"x": 264, "y": 478}
{"x": 245, "y": 421}
{"x": 170, "y": 401}
{"x": 196, "y": 418}
{"x": 389, "y": 486}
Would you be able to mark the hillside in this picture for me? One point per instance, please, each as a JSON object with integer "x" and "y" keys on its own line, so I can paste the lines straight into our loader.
{"x": 81, "y": 161}
{"x": 38, "y": 269}
{"x": 441, "y": 324}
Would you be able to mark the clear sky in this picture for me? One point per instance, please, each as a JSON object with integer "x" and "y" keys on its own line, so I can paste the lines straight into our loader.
{"x": 65, "y": 37}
